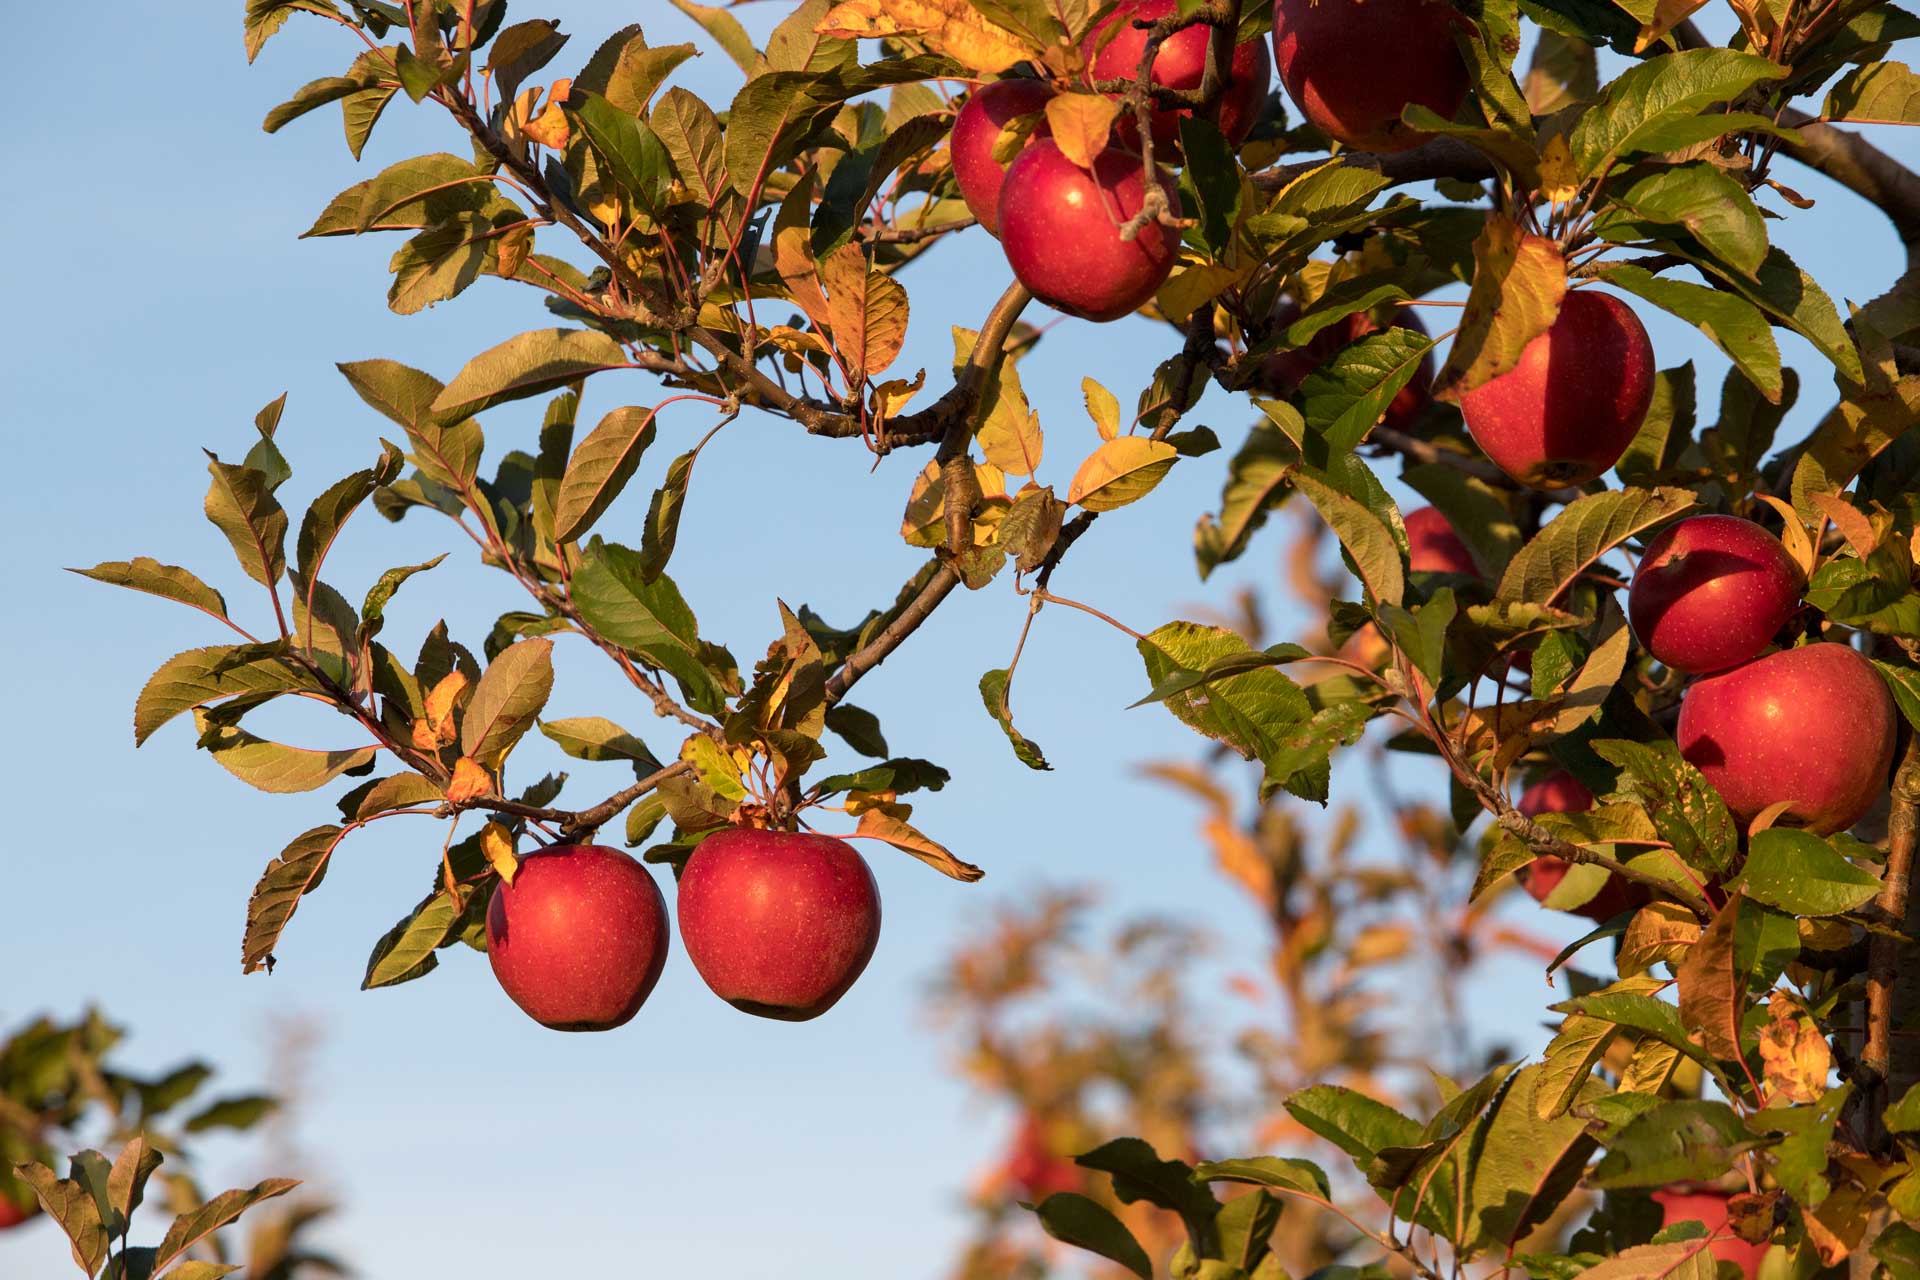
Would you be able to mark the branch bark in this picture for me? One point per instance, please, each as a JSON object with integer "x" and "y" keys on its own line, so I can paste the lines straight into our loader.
{"x": 1884, "y": 970}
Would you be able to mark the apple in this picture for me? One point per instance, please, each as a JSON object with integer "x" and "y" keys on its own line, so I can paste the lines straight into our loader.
{"x": 1060, "y": 226}
{"x": 1575, "y": 401}
{"x": 1435, "y": 548}
{"x": 1814, "y": 726}
{"x": 1710, "y": 593}
{"x": 11, "y": 1214}
{"x": 1685, "y": 1202}
{"x": 779, "y": 923}
{"x": 1034, "y": 1169}
{"x": 977, "y": 128}
{"x": 1181, "y": 63}
{"x": 1351, "y": 66}
{"x": 1561, "y": 792}
{"x": 579, "y": 938}
{"x": 1282, "y": 373}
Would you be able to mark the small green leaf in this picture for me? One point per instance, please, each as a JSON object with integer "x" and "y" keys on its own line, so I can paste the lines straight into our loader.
{"x": 993, "y": 691}
{"x": 1802, "y": 874}
{"x": 1086, "y": 1224}
{"x": 528, "y": 365}
{"x": 600, "y": 468}
{"x": 406, "y": 951}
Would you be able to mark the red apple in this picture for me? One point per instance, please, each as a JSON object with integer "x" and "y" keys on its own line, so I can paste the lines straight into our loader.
{"x": 779, "y": 923}
{"x": 1684, "y": 1202}
{"x": 1814, "y": 726}
{"x": 1181, "y": 63}
{"x": 1711, "y": 592}
{"x": 1561, "y": 792}
{"x": 579, "y": 938}
{"x": 1435, "y": 548}
{"x": 1575, "y": 401}
{"x": 1034, "y": 1169}
{"x": 1282, "y": 373}
{"x": 977, "y": 128}
{"x": 1351, "y": 66}
{"x": 11, "y": 1214}
{"x": 1060, "y": 227}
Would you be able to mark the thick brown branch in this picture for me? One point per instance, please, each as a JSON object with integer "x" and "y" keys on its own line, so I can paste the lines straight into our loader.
{"x": 1884, "y": 953}
{"x": 865, "y": 659}
{"x": 573, "y": 824}
{"x": 1864, "y": 169}
{"x": 1542, "y": 841}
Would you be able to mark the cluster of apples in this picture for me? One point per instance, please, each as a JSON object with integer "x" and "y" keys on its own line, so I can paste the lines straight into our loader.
{"x": 1351, "y": 68}
{"x": 778, "y": 923}
{"x": 1807, "y": 733}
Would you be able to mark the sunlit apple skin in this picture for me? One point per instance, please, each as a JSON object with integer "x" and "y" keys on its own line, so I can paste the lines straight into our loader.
{"x": 579, "y": 938}
{"x": 1033, "y": 1169}
{"x": 1561, "y": 792}
{"x": 1282, "y": 373}
{"x": 1813, "y": 725}
{"x": 1352, "y": 66}
{"x": 779, "y": 923}
{"x": 1705, "y": 1205}
{"x": 1433, "y": 546}
{"x": 977, "y": 128}
{"x": 1060, "y": 227}
{"x": 1180, "y": 64}
{"x": 1573, "y": 404}
{"x": 1711, "y": 592}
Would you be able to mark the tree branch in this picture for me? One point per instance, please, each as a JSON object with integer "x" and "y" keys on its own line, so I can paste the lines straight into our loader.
{"x": 1440, "y": 158}
{"x": 865, "y": 659}
{"x": 1884, "y": 952}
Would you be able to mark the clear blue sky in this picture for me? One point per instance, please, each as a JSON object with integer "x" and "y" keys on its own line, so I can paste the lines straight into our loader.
{"x": 157, "y": 298}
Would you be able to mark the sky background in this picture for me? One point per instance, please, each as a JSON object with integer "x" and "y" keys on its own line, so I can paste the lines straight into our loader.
{"x": 158, "y": 297}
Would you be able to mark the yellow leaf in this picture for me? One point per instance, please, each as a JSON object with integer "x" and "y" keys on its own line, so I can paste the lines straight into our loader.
{"x": 438, "y": 730}
{"x": 515, "y": 245}
{"x": 889, "y": 823}
{"x": 1559, "y": 175}
{"x": 1103, "y": 407}
{"x": 925, "y": 523}
{"x": 496, "y": 844}
{"x": 1120, "y": 471}
{"x": 890, "y": 397}
{"x": 1794, "y": 535}
{"x": 1658, "y": 931}
{"x": 793, "y": 251}
{"x": 1667, "y": 14}
{"x": 952, "y": 27}
{"x": 1009, "y": 431}
{"x": 1848, "y": 519}
{"x": 470, "y": 781}
{"x": 1193, "y": 285}
{"x": 1519, "y": 281}
{"x": 1081, "y": 124}
{"x": 866, "y": 309}
{"x": 1797, "y": 1056}
{"x": 551, "y": 128}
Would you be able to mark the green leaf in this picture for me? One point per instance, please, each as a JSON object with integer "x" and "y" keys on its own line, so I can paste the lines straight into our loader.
{"x": 1733, "y": 324}
{"x": 265, "y": 17}
{"x": 520, "y": 51}
{"x": 240, "y": 503}
{"x": 597, "y": 738}
{"x": 662, "y": 529}
{"x": 1256, "y": 483}
{"x": 1701, "y": 199}
{"x": 1636, "y": 1013}
{"x": 446, "y": 447}
{"x": 1904, "y": 683}
{"x": 191, "y": 1228}
{"x": 1086, "y": 1224}
{"x": 632, "y": 153}
{"x": 1352, "y": 1121}
{"x": 1794, "y": 298}
{"x": 1878, "y": 93}
{"x": 767, "y": 118}
{"x": 1139, "y": 1173}
{"x": 692, "y": 135}
{"x": 242, "y": 1113}
{"x": 1231, "y": 665}
{"x": 288, "y": 878}
{"x": 1687, "y": 812}
{"x": 526, "y": 366}
{"x": 1803, "y": 875}
{"x": 412, "y": 195}
{"x": 442, "y": 261}
{"x": 1592, "y": 525}
{"x": 506, "y": 702}
{"x": 1244, "y": 711}
{"x": 406, "y": 951}
{"x": 312, "y": 96}
{"x": 384, "y": 795}
{"x": 273, "y": 766}
{"x": 202, "y": 676}
{"x": 1280, "y": 1172}
{"x": 380, "y": 594}
{"x": 1640, "y": 110}
{"x": 600, "y": 468}
{"x": 1686, "y": 1141}
{"x": 649, "y": 618}
{"x": 1369, "y": 541}
{"x": 127, "y": 1181}
{"x": 168, "y": 581}
{"x": 360, "y": 112}
{"x": 726, "y": 32}
{"x": 1523, "y": 1167}
{"x": 329, "y": 513}
{"x": 1345, "y": 398}
{"x": 993, "y": 691}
